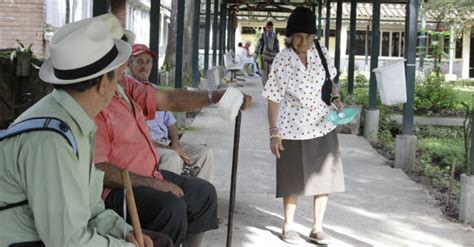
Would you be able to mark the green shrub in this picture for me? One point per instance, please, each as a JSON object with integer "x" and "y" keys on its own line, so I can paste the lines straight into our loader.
{"x": 435, "y": 95}
{"x": 464, "y": 95}
{"x": 361, "y": 80}
{"x": 443, "y": 152}
{"x": 438, "y": 132}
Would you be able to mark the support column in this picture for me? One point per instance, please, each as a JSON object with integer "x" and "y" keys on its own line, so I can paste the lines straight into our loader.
{"x": 215, "y": 32}
{"x": 466, "y": 200}
{"x": 337, "y": 60}
{"x": 350, "y": 73}
{"x": 466, "y": 197}
{"x": 366, "y": 50}
{"x": 371, "y": 125}
{"x": 422, "y": 41}
{"x": 207, "y": 35}
{"x": 179, "y": 45}
{"x": 452, "y": 54}
{"x": 195, "y": 58}
{"x": 320, "y": 23}
{"x": 228, "y": 31}
{"x": 222, "y": 32}
{"x": 155, "y": 37}
{"x": 328, "y": 24}
{"x": 472, "y": 141}
{"x": 372, "y": 121}
{"x": 405, "y": 144}
{"x": 466, "y": 51}
{"x": 374, "y": 57}
{"x": 411, "y": 34}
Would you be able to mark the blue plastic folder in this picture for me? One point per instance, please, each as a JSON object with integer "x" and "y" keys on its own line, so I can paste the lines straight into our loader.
{"x": 349, "y": 115}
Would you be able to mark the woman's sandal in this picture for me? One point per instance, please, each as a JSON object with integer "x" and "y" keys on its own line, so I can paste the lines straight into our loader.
{"x": 291, "y": 236}
{"x": 320, "y": 237}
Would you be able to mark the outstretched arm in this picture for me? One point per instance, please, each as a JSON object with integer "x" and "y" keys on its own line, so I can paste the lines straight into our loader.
{"x": 183, "y": 100}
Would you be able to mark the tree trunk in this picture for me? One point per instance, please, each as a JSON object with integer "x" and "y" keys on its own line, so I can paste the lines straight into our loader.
{"x": 170, "y": 56}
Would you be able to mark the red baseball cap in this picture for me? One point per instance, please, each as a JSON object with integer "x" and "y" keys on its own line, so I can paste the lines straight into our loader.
{"x": 138, "y": 49}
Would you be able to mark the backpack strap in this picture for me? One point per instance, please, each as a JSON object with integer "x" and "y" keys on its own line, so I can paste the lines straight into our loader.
{"x": 13, "y": 205}
{"x": 38, "y": 124}
{"x": 323, "y": 58}
{"x": 41, "y": 124}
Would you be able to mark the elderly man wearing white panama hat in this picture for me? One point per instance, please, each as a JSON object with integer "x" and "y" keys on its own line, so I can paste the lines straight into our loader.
{"x": 184, "y": 208}
{"x": 59, "y": 184}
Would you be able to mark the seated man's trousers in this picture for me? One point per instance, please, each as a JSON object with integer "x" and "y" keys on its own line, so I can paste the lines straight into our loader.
{"x": 195, "y": 212}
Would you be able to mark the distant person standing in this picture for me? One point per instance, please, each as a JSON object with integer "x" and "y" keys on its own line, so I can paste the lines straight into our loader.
{"x": 267, "y": 46}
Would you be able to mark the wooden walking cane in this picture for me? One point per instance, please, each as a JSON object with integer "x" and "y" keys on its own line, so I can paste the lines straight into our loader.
{"x": 233, "y": 183}
{"x": 132, "y": 208}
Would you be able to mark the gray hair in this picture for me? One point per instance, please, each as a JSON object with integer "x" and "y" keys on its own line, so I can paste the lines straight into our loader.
{"x": 248, "y": 42}
{"x": 288, "y": 41}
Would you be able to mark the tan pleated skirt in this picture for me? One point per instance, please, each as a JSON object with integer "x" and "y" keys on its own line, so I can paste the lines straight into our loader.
{"x": 310, "y": 167}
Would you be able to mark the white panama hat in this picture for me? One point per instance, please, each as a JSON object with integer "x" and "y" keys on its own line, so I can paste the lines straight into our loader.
{"x": 113, "y": 23}
{"x": 83, "y": 50}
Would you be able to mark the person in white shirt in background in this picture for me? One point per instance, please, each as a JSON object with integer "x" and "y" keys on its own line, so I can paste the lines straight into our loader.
{"x": 243, "y": 53}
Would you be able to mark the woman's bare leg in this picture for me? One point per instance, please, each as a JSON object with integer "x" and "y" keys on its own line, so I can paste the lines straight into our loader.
{"x": 319, "y": 208}
{"x": 289, "y": 205}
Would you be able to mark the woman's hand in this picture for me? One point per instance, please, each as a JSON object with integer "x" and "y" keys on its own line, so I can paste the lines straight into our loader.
{"x": 338, "y": 104}
{"x": 276, "y": 146}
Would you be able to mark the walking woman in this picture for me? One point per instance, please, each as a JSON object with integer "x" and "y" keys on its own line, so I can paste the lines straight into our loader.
{"x": 304, "y": 143}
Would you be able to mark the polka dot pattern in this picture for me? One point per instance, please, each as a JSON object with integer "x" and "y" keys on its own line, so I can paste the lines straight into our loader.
{"x": 298, "y": 90}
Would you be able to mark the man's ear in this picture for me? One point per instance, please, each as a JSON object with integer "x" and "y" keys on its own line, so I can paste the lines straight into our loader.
{"x": 102, "y": 84}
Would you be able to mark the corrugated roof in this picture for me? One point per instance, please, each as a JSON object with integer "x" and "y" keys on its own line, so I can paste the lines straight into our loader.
{"x": 389, "y": 12}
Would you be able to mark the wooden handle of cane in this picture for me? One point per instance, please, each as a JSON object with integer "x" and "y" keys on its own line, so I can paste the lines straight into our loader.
{"x": 132, "y": 208}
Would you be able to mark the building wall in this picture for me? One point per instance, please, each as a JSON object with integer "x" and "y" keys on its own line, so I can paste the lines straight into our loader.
{"x": 119, "y": 9}
{"x": 23, "y": 20}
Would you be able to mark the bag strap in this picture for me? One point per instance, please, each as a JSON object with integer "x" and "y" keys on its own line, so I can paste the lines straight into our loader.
{"x": 323, "y": 58}
{"x": 41, "y": 124}
{"x": 38, "y": 124}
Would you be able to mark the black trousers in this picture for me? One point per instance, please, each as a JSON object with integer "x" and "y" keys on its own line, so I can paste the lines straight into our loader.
{"x": 195, "y": 212}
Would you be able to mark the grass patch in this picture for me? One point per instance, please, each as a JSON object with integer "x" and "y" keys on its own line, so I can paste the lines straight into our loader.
{"x": 465, "y": 95}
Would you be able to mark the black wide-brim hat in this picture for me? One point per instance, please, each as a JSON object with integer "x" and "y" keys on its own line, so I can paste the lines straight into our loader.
{"x": 301, "y": 20}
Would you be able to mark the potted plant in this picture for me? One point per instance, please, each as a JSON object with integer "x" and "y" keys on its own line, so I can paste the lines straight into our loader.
{"x": 22, "y": 56}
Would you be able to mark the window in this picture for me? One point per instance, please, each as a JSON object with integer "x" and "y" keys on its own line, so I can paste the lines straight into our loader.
{"x": 359, "y": 42}
{"x": 61, "y": 12}
{"x": 385, "y": 44}
{"x": 395, "y": 45}
{"x": 248, "y": 30}
{"x": 459, "y": 48}
{"x": 138, "y": 20}
{"x": 280, "y": 31}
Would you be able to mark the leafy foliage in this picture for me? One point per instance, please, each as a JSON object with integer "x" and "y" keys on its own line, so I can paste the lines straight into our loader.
{"x": 443, "y": 152}
{"x": 361, "y": 80}
{"x": 434, "y": 95}
{"x": 450, "y": 12}
{"x": 21, "y": 49}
